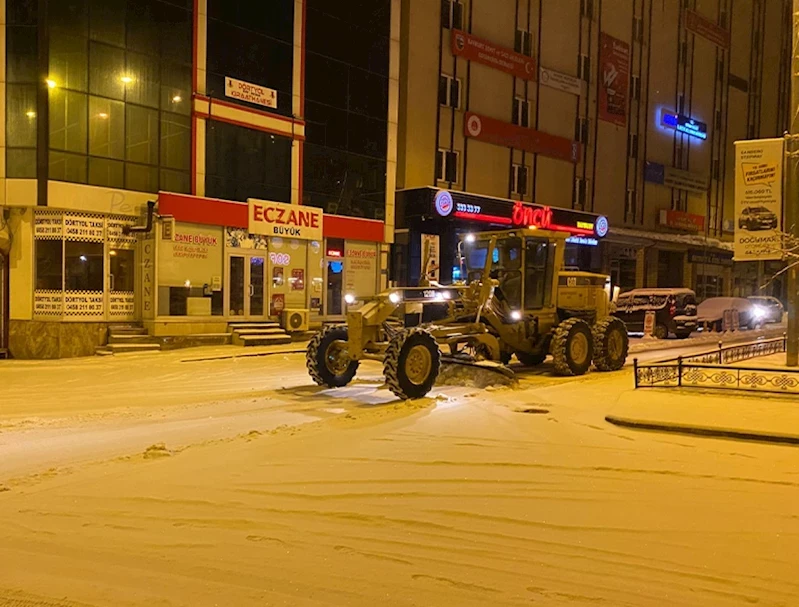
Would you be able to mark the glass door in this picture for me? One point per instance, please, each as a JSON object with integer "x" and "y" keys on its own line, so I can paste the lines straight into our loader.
{"x": 246, "y": 287}
{"x": 121, "y": 280}
{"x": 334, "y": 302}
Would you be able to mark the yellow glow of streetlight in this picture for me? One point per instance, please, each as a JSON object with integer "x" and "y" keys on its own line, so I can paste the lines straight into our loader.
{"x": 102, "y": 115}
{"x": 177, "y": 99}
{"x": 126, "y": 79}
{"x": 51, "y": 83}
{"x": 30, "y": 114}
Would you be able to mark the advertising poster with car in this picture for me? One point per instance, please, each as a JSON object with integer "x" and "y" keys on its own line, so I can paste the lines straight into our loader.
{"x": 758, "y": 199}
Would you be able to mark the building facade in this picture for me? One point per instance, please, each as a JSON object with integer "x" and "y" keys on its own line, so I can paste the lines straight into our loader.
{"x": 625, "y": 109}
{"x": 197, "y": 106}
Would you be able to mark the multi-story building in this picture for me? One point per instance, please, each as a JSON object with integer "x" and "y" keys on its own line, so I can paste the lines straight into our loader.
{"x": 197, "y": 106}
{"x": 622, "y": 109}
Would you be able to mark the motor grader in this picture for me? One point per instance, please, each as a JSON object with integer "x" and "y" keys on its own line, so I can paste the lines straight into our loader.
{"x": 515, "y": 301}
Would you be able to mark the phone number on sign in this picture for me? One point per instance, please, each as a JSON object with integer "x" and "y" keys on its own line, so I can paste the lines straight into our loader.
{"x": 472, "y": 209}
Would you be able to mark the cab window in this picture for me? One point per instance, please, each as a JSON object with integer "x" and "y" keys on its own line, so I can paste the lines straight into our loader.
{"x": 537, "y": 274}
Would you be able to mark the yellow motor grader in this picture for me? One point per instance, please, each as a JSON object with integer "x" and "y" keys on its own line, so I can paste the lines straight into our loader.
{"x": 515, "y": 301}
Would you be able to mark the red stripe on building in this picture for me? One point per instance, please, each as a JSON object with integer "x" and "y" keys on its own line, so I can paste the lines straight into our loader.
{"x": 216, "y": 212}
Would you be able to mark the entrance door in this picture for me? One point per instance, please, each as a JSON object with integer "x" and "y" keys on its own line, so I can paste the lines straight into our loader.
{"x": 246, "y": 287}
{"x": 334, "y": 275}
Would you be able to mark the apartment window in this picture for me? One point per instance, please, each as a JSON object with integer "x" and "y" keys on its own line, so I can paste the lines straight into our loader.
{"x": 447, "y": 166}
{"x": 632, "y": 145}
{"x": 521, "y": 112}
{"x": 638, "y": 29}
{"x": 585, "y": 67}
{"x": 449, "y": 91}
{"x": 519, "y": 179}
{"x": 581, "y": 130}
{"x": 580, "y": 192}
{"x": 523, "y": 43}
{"x": 452, "y": 14}
{"x": 587, "y": 8}
{"x": 635, "y": 88}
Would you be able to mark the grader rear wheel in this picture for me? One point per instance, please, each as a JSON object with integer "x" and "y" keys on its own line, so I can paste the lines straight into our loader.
{"x": 572, "y": 347}
{"x": 610, "y": 344}
{"x": 327, "y": 360}
{"x": 412, "y": 363}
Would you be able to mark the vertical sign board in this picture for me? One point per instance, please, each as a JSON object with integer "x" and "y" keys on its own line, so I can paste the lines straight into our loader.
{"x": 148, "y": 277}
{"x": 431, "y": 259}
{"x": 614, "y": 71}
{"x": 649, "y": 322}
{"x": 758, "y": 199}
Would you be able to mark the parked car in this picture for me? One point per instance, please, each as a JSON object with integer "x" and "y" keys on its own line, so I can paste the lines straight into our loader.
{"x": 675, "y": 311}
{"x": 771, "y": 308}
{"x": 711, "y": 312}
{"x": 754, "y": 219}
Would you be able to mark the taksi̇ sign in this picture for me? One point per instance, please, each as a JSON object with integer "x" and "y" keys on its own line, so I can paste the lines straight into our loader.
{"x": 758, "y": 199}
{"x": 482, "y": 51}
{"x": 286, "y": 220}
{"x": 251, "y": 93}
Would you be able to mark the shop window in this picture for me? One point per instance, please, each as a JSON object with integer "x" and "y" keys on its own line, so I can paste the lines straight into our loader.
{"x": 21, "y": 116}
{"x": 143, "y": 87}
{"x": 142, "y": 135}
{"x": 449, "y": 91}
{"x": 49, "y": 265}
{"x": 68, "y": 60}
{"x": 452, "y": 14}
{"x": 68, "y": 167}
{"x": 122, "y": 271}
{"x": 447, "y": 166}
{"x": 519, "y": 179}
{"x": 523, "y": 43}
{"x": 521, "y": 112}
{"x": 175, "y": 140}
{"x": 106, "y": 128}
{"x": 176, "y": 88}
{"x": 83, "y": 266}
{"x": 106, "y": 68}
{"x": 68, "y": 124}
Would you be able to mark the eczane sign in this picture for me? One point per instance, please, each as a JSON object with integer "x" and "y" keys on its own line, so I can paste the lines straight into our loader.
{"x": 284, "y": 220}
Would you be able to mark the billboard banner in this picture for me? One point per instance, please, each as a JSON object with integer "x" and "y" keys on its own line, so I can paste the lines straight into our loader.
{"x": 758, "y": 199}
{"x": 482, "y": 51}
{"x": 505, "y": 134}
{"x": 701, "y": 26}
{"x": 614, "y": 70}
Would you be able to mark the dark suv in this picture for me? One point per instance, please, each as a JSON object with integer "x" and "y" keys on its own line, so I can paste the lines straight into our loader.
{"x": 754, "y": 219}
{"x": 675, "y": 311}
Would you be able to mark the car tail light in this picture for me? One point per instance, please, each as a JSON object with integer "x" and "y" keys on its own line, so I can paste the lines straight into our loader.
{"x": 672, "y": 310}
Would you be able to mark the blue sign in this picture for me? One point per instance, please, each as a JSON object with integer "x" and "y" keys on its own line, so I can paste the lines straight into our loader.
{"x": 684, "y": 124}
{"x": 654, "y": 172}
{"x": 601, "y": 226}
{"x": 591, "y": 242}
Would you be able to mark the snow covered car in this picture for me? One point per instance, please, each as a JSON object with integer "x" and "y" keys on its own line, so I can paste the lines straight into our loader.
{"x": 754, "y": 219}
{"x": 675, "y": 311}
{"x": 711, "y": 312}
{"x": 771, "y": 307}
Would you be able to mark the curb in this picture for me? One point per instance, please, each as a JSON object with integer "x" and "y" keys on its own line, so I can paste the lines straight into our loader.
{"x": 743, "y": 435}
{"x": 243, "y": 355}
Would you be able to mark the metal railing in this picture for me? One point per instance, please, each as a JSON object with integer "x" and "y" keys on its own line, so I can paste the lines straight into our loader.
{"x": 707, "y": 370}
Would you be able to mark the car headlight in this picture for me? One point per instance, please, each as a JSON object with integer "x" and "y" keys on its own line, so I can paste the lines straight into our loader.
{"x": 395, "y": 297}
{"x": 516, "y": 315}
{"x": 759, "y": 312}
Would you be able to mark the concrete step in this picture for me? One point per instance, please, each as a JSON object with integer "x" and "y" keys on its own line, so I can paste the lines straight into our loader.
{"x": 253, "y": 325}
{"x": 122, "y": 338}
{"x": 103, "y": 351}
{"x": 267, "y": 331}
{"x": 127, "y": 331}
{"x": 128, "y": 348}
{"x": 261, "y": 340}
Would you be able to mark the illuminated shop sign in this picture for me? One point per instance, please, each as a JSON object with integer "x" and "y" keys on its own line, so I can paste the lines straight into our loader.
{"x": 583, "y": 240}
{"x": 684, "y": 124}
{"x": 508, "y": 213}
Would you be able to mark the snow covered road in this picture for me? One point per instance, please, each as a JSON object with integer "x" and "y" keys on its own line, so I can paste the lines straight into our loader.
{"x": 499, "y": 497}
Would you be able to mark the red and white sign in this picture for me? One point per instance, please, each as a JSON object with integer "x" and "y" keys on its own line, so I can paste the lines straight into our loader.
{"x": 701, "y": 26}
{"x": 614, "y": 74}
{"x": 649, "y": 322}
{"x": 482, "y": 51}
{"x": 251, "y": 93}
{"x": 284, "y": 220}
{"x": 535, "y": 217}
{"x": 505, "y": 134}
{"x": 682, "y": 220}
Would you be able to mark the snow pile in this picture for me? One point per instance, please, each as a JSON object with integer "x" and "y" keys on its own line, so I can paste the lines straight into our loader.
{"x": 473, "y": 377}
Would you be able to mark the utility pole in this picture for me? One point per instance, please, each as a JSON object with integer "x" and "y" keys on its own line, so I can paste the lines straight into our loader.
{"x": 791, "y": 195}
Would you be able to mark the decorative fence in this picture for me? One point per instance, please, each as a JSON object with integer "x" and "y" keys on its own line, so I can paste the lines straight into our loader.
{"x": 708, "y": 370}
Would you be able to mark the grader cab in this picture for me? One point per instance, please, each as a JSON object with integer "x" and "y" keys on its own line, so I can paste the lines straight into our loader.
{"x": 515, "y": 301}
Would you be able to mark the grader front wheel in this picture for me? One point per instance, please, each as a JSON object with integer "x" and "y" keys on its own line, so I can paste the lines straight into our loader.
{"x": 572, "y": 347}
{"x": 412, "y": 362}
{"x": 327, "y": 360}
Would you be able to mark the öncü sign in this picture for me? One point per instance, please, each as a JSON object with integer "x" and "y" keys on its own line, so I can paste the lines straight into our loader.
{"x": 251, "y": 93}
{"x": 285, "y": 220}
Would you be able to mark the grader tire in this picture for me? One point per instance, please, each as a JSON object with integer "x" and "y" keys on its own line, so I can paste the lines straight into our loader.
{"x": 326, "y": 360}
{"x": 610, "y": 344}
{"x": 412, "y": 363}
{"x": 572, "y": 347}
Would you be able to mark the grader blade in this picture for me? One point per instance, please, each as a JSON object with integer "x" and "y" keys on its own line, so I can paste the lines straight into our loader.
{"x": 483, "y": 365}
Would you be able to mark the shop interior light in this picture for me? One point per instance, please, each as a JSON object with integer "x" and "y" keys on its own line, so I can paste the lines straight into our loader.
{"x": 349, "y": 299}
{"x": 30, "y": 114}
{"x": 112, "y": 253}
{"x": 187, "y": 284}
{"x": 126, "y": 79}
{"x": 177, "y": 99}
{"x": 102, "y": 115}
{"x": 51, "y": 83}
{"x": 83, "y": 258}
{"x": 395, "y": 297}
{"x": 470, "y": 238}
